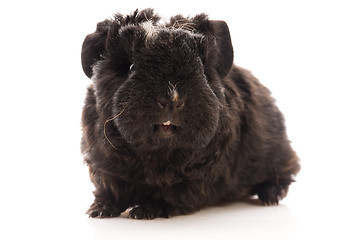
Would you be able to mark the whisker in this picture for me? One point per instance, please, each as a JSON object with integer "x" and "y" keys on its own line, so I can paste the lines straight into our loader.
{"x": 111, "y": 119}
{"x": 184, "y": 24}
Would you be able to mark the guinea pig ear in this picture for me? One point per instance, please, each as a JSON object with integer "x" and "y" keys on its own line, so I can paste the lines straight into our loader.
{"x": 94, "y": 46}
{"x": 106, "y": 39}
{"x": 223, "y": 45}
{"x": 217, "y": 50}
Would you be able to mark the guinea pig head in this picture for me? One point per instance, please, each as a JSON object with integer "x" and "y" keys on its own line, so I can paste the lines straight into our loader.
{"x": 156, "y": 83}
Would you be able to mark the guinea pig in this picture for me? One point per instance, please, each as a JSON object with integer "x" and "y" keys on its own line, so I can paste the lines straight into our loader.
{"x": 171, "y": 125}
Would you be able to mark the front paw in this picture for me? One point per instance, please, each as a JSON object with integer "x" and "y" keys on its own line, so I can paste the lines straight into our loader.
{"x": 103, "y": 209}
{"x": 270, "y": 194}
{"x": 148, "y": 212}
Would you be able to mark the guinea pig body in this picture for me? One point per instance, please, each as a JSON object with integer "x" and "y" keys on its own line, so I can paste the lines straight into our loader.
{"x": 170, "y": 124}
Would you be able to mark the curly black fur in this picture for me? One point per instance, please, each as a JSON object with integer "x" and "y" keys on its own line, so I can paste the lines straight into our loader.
{"x": 171, "y": 125}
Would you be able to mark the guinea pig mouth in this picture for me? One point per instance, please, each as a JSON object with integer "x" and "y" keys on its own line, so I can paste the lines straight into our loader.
{"x": 166, "y": 129}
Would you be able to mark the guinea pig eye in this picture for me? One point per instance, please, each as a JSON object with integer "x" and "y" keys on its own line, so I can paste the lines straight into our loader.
{"x": 131, "y": 68}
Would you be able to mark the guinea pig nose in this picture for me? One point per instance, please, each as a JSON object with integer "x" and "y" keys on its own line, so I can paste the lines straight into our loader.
{"x": 179, "y": 105}
{"x": 162, "y": 103}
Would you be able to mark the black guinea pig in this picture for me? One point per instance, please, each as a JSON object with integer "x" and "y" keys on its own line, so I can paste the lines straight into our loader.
{"x": 170, "y": 125}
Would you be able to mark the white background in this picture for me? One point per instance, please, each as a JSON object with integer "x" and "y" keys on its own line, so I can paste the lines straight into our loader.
{"x": 307, "y": 52}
